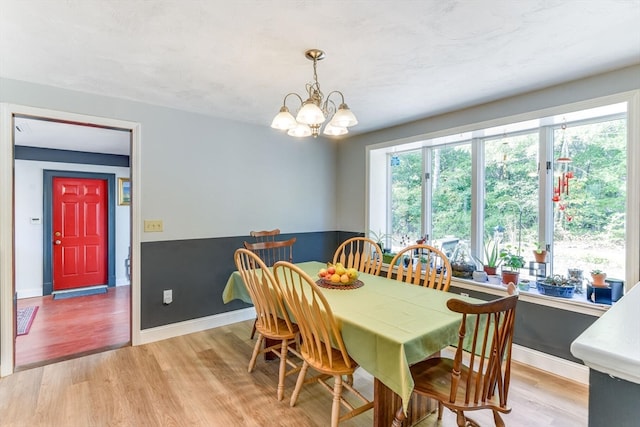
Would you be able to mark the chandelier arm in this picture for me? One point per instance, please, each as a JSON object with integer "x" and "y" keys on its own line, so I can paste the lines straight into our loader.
{"x": 339, "y": 93}
{"x": 284, "y": 102}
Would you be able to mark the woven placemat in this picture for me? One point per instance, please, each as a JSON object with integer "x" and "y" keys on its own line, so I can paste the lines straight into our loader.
{"x": 329, "y": 285}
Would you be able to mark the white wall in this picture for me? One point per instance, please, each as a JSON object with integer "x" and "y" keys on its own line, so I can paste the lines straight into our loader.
{"x": 29, "y": 236}
{"x": 207, "y": 177}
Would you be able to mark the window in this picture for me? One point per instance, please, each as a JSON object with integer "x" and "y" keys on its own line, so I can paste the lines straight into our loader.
{"x": 511, "y": 183}
{"x": 406, "y": 197}
{"x": 589, "y": 194}
{"x": 558, "y": 180}
{"x": 450, "y": 178}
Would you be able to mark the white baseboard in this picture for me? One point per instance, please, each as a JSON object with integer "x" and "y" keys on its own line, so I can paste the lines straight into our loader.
{"x": 29, "y": 293}
{"x": 195, "y": 325}
{"x": 552, "y": 364}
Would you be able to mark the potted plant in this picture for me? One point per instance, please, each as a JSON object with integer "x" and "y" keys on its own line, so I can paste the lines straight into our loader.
{"x": 556, "y": 286}
{"x": 462, "y": 262}
{"x": 598, "y": 276}
{"x": 512, "y": 262}
{"x": 491, "y": 257}
{"x": 540, "y": 252}
{"x": 380, "y": 238}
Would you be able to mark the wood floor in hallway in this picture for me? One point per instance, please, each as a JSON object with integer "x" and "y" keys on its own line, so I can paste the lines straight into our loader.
{"x": 72, "y": 327}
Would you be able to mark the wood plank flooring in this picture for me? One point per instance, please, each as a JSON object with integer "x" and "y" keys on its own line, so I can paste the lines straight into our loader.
{"x": 72, "y": 327}
{"x": 201, "y": 379}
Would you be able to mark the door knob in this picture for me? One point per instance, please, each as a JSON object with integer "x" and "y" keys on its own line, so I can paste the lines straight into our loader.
{"x": 57, "y": 234}
{"x": 58, "y": 242}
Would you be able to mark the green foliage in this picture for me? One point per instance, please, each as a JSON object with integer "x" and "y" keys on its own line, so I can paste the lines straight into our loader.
{"x": 511, "y": 259}
{"x": 491, "y": 254}
{"x": 557, "y": 280}
{"x": 596, "y": 201}
{"x": 379, "y": 237}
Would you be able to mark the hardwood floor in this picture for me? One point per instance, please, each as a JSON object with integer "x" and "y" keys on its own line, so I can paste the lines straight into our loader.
{"x": 201, "y": 379}
{"x": 73, "y": 327}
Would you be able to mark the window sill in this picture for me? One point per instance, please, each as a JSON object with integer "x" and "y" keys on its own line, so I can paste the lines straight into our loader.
{"x": 577, "y": 304}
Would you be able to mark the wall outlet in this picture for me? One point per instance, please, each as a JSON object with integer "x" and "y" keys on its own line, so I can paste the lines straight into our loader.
{"x": 152, "y": 225}
{"x": 167, "y": 296}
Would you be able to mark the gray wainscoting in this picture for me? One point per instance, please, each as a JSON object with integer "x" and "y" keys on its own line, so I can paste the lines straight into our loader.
{"x": 546, "y": 329}
{"x": 197, "y": 271}
{"x": 612, "y": 401}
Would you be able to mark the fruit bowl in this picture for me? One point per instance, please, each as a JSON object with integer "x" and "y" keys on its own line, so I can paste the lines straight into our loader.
{"x": 337, "y": 275}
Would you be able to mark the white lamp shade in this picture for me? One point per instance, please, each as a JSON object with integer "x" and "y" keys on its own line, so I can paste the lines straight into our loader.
{"x": 332, "y": 130}
{"x": 300, "y": 130}
{"x": 283, "y": 120}
{"x": 344, "y": 117}
{"x": 310, "y": 114}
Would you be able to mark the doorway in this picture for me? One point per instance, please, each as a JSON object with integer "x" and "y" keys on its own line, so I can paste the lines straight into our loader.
{"x": 9, "y": 188}
{"x": 79, "y": 229}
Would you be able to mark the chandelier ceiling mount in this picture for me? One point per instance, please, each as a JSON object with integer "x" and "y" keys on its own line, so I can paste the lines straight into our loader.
{"x": 315, "y": 109}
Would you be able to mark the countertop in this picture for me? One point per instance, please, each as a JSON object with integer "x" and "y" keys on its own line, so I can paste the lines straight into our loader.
{"x": 612, "y": 343}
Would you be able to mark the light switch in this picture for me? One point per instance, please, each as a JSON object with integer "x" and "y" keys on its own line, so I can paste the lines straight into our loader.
{"x": 152, "y": 225}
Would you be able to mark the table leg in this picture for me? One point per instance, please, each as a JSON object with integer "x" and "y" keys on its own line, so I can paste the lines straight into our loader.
{"x": 386, "y": 403}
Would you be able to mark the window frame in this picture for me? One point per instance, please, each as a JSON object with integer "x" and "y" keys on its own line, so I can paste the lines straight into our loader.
{"x": 426, "y": 141}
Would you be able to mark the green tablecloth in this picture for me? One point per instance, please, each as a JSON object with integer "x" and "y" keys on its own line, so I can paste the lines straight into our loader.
{"x": 387, "y": 325}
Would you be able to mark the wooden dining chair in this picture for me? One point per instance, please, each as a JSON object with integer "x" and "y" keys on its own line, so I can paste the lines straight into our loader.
{"x": 322, "y": 347}
{"x": 273, "y": 321}
{"x": 273, "y": 251}
{"x": 360, "y": 253}
{"x": 483, "y": 383}
{"x": 265, "y": 235}
{"x": 427, "y": 266}
{"x": 270, "y": 251}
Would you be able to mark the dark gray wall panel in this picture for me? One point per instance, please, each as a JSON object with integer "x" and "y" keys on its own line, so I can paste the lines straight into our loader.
{"x": 546, "y": 329}
{"x": 612, "y": 401}
{"x": 197, "y": 271}
{"x": 67, "y": 156}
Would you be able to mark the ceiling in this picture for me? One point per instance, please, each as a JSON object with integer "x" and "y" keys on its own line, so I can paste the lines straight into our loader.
{"x": 395, "y": 61}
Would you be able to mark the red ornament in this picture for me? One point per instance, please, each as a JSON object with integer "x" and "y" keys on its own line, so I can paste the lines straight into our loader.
{"x": 569, "y": 174}
{"x": 562, "y": 207}
{"x": 555, "y": 198}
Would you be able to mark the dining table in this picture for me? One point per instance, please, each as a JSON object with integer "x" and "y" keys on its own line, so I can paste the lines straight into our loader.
{"x": 387, "y": 326}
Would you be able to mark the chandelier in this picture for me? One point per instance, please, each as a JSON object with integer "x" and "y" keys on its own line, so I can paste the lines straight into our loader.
{"x": 315, "y": 110}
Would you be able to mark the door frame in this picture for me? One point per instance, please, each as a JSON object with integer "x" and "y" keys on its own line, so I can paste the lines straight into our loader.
{"x": 7, "y": 232}
{"x": 47, "y": 223}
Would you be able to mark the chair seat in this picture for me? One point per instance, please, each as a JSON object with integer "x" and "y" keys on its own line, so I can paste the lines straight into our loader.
{"x": 432, "y": 377}
{"x": 277, "y": 332}
{"x": 339, "y": 367}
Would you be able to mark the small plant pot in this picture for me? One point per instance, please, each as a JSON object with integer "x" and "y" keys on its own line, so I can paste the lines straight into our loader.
{"x": 491, "y": 271}
{"x": 598, "y": 279}
{"x": 480, "y": 276}
{"x": 494, "y": 279}
{"x": 524, "y": 285}
{"x": 540, "y": 257}
{"x": 510, "y": 276}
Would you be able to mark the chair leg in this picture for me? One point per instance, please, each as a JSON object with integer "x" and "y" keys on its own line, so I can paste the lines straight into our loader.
{"x": 337, "y": 394}
{"x": 498, "y": 419}
{"x": 256, "y": 351}
{"x": 399, "y": 418}
{"x": 253, "y": 331}
{"x": 299, "y": 382}
{"x": 440, "y": 407}
{"x": 460, "y": 419}
{"x": 283, "y": 368}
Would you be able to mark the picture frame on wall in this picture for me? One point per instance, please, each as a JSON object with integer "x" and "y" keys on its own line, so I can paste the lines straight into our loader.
{"x": 124, "y": 191}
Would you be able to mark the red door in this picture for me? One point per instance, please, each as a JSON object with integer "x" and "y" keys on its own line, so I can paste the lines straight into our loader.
{"x": 79, "y": 232}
